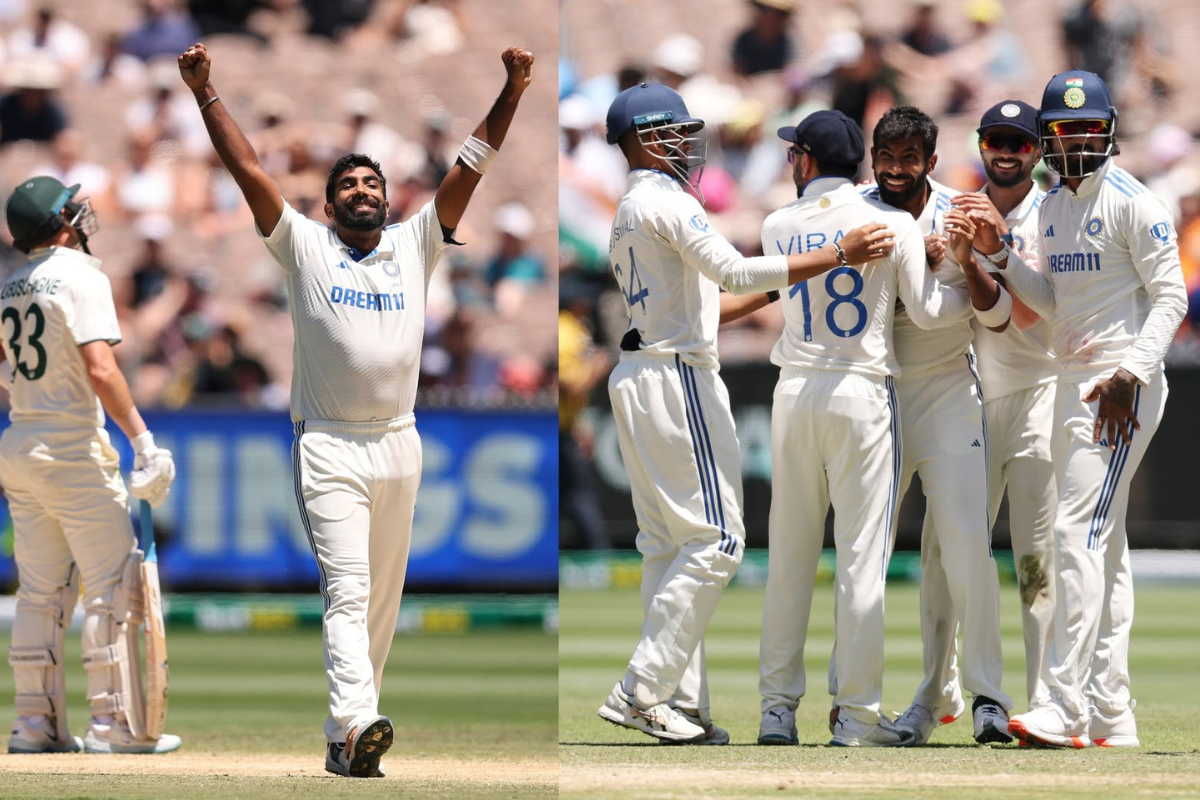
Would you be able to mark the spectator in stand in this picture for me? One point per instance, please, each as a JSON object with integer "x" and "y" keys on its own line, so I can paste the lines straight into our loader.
{"x": 146, "y": 182}
{"x": 923, "y": 34}
{"x": 165, "y": 30}
{"x": 54, "y": 37}
{"x": 765, "y": 45}
{"x": 111, "y": 65}
{"x": 1189, "y": 259}
{"x": 515, "y": 267}
{"x": 169, "y": 113}
{"x": 581, "y": 366}
{"x": 153, "y": 269}
{"x": 677, "y": 59}
{"x": 989, "y": 64}
{"x": 68, "y": 166}
{"x": 226, "y": 16}
{"x": 399, "y": 158}
{"x": 1102, "y": 36}
{"x": 30, "y": 111}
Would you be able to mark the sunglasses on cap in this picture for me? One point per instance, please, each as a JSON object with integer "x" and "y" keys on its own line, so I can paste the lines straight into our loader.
{"x": 1006, "y": 143}
{"x": 1078, "y": 127}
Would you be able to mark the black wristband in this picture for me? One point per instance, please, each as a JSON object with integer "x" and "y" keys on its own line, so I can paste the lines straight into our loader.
{"x": 772, "y": 296}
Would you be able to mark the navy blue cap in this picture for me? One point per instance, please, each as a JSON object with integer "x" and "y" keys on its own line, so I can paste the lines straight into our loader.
{"x": 828, "y": 136}
{"x": 646, "y": 104}
{"x": 1011, "y": 114}
{"x": 1076, "y": 95}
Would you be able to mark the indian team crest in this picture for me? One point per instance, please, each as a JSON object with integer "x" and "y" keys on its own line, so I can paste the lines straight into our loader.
{"x": 824, "y": 203}
{"x": 1010, "y": 110}
{"x": 390, "y": 268}
{"x": 1094, "y": 227}
{"x": 1074, "y": 96}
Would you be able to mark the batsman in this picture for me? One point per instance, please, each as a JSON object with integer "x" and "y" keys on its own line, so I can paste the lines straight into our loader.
{"x": 60, "y": 473}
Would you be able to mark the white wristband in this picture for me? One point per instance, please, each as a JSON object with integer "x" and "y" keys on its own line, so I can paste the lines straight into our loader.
{"x": 477, "y": 154}
{"x": 142, "y": 442}
{"x": 998, "y": 314}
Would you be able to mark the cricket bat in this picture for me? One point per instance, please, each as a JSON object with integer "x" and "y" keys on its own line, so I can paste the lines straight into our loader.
{"x": 156, "y": 634}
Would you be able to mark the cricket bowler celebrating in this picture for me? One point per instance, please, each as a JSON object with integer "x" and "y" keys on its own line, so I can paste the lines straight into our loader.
{"x": 674, "y": 423}
{"x": 1112, "y": 288}
{"x": 69, "y": 505}
{"x": 357, "y": 293}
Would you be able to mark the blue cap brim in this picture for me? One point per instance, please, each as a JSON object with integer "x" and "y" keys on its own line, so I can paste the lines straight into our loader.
{"x": 788, "y": 133}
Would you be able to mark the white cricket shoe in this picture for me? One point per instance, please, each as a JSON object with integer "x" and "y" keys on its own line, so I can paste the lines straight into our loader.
{"x": 849, "y": 732}
{"x": 660, "y": 721}
{"x": 918, "y": 720}
{"x": 778, "y": 727}
{"x": 1044, "y": 726}
{"x": 1106, "y": 731}
{"x": 108, "y": 735}
{"x": 38, "y": 734}
{"x": 991, "y": 721}
{"x": 713, "y": 734}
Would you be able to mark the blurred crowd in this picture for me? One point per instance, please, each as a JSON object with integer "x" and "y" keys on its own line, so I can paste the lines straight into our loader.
{"x": 748, "y": 67}
{"x": 91, "y": 94}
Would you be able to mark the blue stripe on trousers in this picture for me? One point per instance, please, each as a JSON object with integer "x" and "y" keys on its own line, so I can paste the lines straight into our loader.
{"x": 693, "y": 431}
{"x": 1108, "y": 491}
{"x": 298, "y": 430}
{"x": 897, "y": 466}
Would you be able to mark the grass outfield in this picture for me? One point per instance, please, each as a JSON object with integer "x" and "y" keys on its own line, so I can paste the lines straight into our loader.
{"x": 474, "y": 714}
{"x": 598, "y": 630}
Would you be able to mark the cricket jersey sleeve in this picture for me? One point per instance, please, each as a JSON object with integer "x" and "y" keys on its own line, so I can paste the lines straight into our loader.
{"x": 1154, "y": 249}
{"x": 426, "y": 237}
{"x": 929, "y": 303}
{"x": 92, "y": 315}
{"x": 294, "y": 240}
{"x": 1030, "y": 284}
{"x": 684, "y": 224}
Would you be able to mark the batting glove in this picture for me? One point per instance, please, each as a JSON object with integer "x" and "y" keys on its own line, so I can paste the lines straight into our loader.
{"x": 153, "y": 471}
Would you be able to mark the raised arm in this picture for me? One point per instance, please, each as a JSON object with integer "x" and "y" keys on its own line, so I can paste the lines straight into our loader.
{"x": 238, "y": 156}
{"x": 479, "y": 150}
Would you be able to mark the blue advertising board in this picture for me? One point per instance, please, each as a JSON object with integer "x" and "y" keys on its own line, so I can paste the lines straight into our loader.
{"x": 487, "y": 509}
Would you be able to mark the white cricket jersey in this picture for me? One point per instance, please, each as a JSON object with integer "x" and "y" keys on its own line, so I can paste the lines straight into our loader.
{"x": 55, "y": 302}
{"x": 842, "y": 320}
{"x": 1016, "y": 359}
{"x": 918, "y": 350}
{"x": 1110, "y": 276}
{"x": 359, "y": 319}
{"x": 669, "y": 262}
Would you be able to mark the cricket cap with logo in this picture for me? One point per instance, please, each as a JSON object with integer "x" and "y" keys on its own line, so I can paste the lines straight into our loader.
{"x": 1013, "y": 114}
{"x": 828, "y": 136}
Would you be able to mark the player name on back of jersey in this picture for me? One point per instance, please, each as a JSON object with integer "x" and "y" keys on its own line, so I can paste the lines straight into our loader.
{"x": 803, "y": 242}
{"x": 23, "y": 286}
{"x": 619, "y": 230}
{"x": 1074, "y": 262}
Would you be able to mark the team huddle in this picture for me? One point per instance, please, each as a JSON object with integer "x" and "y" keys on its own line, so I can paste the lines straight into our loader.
{"x": 1007, "y": 339}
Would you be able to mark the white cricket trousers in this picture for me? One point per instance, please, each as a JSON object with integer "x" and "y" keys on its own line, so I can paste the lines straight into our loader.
{"x": 1088, "y": 665}
{"x": 946, "y": 442}
{"x": 680, "y": 450}
{"x": 356, "y": 484}
{"x": 835, "y": 438}
{"x": 1019, "y": 428}
{"x": 70, "y": 509}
